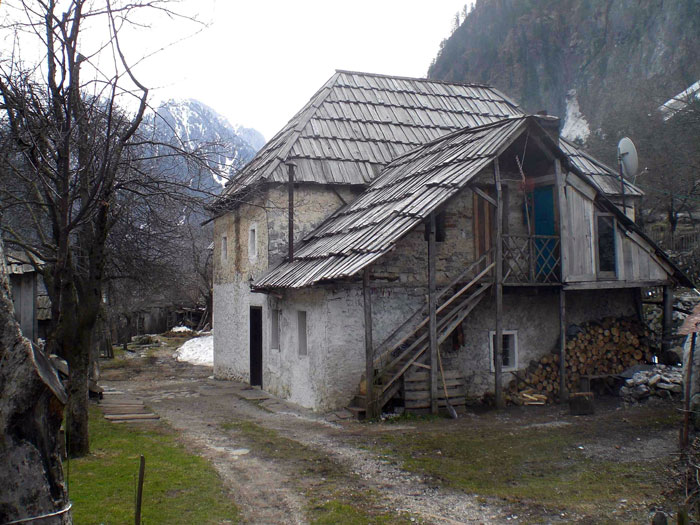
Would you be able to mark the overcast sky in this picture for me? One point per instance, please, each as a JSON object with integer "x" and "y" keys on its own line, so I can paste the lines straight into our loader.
{"x": 258, "y": 62}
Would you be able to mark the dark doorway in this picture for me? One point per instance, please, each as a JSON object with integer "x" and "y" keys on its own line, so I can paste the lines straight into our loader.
{"x": 483, "y": 218}
{"x": 256, "y": 346}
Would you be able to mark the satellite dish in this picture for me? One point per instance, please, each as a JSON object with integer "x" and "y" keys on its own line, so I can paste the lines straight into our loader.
{"x": 627, "y": 155}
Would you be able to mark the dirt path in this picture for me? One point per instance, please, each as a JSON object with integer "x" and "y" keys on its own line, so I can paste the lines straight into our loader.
{"x": 280, "y": 460}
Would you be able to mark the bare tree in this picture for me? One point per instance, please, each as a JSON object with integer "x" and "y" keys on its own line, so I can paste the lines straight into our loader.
{"x": 76, "y": 162}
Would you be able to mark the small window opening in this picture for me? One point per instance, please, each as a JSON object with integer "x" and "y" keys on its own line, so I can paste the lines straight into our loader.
{"x": 606, "y": 244}
{"x": 253, "y": 242}
{"x": 510, "y": 350}
{"x": 301, "y": 327}
{"x": 224, "y": 248}
{"x": 275, "y": 329}
{"x": 440, "y": 227}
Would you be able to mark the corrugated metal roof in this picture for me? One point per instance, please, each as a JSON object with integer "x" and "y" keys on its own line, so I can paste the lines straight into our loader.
{"x": 359, "y": 122}
{"x": 406, "y": 192}
{"x": 603, "y": 177}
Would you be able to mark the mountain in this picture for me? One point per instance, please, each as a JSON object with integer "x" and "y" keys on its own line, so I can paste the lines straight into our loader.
{"x": 192, "y": 125}
{"x": 581, "y": 60}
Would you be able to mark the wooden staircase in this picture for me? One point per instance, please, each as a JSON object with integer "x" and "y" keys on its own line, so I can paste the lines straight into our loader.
{"x": 400, "y": 367}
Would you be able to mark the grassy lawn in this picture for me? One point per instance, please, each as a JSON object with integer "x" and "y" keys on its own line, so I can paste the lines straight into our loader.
{"x": 561, "y": 467}
{"x": 179, "y": 488}
{"x": 335, "y": 495}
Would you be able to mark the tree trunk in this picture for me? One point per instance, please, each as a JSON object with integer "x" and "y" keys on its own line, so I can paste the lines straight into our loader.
{"x": 32, "y": 399}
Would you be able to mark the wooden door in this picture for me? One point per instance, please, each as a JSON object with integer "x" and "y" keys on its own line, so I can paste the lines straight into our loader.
{"x": 256, "y": 346}
{"x": 545, "y": 224}
{"x": 483, "y": 226}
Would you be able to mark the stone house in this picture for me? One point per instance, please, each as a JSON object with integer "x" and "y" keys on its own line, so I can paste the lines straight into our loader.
{"x": 427, "y": 219}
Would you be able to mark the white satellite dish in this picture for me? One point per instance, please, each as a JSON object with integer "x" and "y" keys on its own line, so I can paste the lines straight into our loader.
{"x": 627, "y": 155}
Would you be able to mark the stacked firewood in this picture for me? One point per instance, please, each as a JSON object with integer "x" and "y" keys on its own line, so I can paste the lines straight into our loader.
{"x": 596, "y": 349}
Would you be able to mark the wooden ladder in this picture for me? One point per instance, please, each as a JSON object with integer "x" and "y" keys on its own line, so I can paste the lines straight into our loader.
{"x": 405, "y": 349}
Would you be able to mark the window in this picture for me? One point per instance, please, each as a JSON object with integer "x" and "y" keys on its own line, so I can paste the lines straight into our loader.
{"x": 605, "y": 227}
{"x": 224, "y": 248}
{"x": 253, "y": 242}
{"x": 275, "y": 329}
{"x": 301, "y": 327}
{"x": 510, "y": 349}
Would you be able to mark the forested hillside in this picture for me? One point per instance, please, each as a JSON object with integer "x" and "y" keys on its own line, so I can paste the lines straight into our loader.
{"x": 576, "y": 56}
{"x": 604, "y": 67}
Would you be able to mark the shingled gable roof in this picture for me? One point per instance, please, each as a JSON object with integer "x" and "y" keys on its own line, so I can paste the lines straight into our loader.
{"x": 602, "y": 176}
{"x": 404, "y": 195}
{"x": 359, "y": 122}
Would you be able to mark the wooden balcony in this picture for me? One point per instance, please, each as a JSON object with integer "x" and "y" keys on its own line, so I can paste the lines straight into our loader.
{"x": 531, "y": 259}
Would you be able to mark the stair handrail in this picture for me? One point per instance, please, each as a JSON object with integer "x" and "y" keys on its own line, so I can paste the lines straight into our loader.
{"x": 422, "y": 345}
{"x": 386, "y": 344}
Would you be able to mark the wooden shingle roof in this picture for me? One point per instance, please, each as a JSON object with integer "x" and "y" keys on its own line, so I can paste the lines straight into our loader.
{"x": 408, "y": 190}
{"x": 602, "y": 176}
{"x": 359, "y": 122}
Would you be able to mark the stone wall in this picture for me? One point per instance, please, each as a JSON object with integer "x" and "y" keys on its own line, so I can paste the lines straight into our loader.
{"x": 534, "y": 314}
{"x": 313, "y": 203}
{"x": 408, "y": 262}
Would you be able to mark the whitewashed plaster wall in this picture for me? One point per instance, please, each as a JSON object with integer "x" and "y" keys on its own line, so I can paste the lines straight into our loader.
{"x": 234, "y": 272}
{"x": 232, "y": 297}
{"x": 534, "y": 314}
{"x": 328, "y": 376}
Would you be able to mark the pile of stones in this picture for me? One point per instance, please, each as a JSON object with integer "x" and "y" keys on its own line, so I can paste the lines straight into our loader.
{"x": 660, "y": 381}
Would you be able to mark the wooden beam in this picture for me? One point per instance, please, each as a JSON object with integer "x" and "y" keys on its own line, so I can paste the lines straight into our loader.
{"x": 667, "y": 319}
{"x": 481, "y": 193}
{"x": 432, "y": 316}
{"x": 369, "y": 351}
{"x": 563, "y": 220}
{"x": 563, "y": 393}
{"x": 605, "y": 285}
{"x": 498, "y": 349}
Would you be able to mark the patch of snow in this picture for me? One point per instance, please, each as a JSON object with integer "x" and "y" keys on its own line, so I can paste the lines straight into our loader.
{"x": 198, "y": 351}
{"x": 680, "y": 101}
{"x": 180, "y": 329}
{"x": 575, "y": 124}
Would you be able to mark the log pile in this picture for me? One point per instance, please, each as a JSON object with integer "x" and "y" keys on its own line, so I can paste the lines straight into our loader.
{"x": 661, "y": 381}
{"x": 596, "y": 349}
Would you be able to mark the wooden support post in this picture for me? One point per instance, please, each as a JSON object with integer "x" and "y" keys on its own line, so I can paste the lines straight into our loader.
{"x": 139, "y": 490}
{"x": 290, "y": 211}
{"x": 369, "y": 349}
{"x": 498, "y": 347}
{"x": 563, "y": 392}
{"x": 688, "y": 387}
{"x": 432, "y": 317}
{"x": 667, "y": 337}
{"x": 563, "y": 221}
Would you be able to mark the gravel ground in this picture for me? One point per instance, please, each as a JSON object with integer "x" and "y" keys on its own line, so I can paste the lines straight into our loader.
{"x": 271, "y": 489}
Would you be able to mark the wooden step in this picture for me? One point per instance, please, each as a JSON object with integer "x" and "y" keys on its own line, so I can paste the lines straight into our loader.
{"x": 420, "y": 375}
{"x": 414, "y": 395}
{"x": 425, "y": 385}
{"x": 358, "y": 412}
{"x": 130, "y": 417}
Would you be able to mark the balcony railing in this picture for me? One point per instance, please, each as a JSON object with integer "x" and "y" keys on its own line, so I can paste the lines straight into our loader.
{"x": 531, "y": 259}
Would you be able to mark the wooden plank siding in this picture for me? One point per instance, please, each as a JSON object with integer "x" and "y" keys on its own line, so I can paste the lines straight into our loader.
{"x": 635, "y": 261}
{"x": 580, "y": 216}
